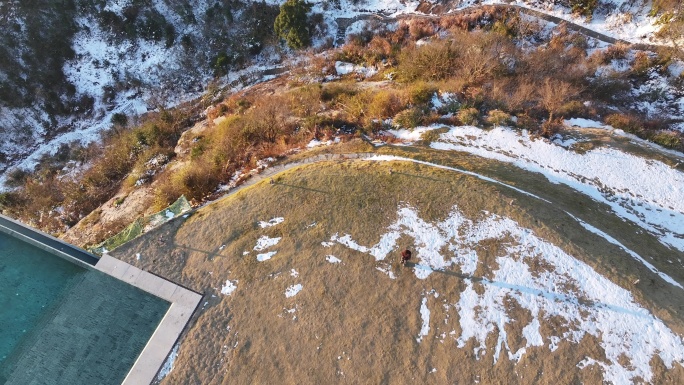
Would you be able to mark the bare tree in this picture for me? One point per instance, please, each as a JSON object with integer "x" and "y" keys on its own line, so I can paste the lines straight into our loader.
{"x": 554, "y": 94}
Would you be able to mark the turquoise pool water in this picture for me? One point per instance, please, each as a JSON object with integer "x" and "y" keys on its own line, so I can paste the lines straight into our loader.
{"x": 31, "y": 282}
{"x": 61, "y": 323}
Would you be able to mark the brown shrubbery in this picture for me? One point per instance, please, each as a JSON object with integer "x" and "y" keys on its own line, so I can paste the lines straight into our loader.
{"x": 472, "y": 56}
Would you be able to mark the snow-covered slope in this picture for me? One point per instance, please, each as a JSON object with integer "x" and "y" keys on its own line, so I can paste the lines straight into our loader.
{"x": 121, "y": 57}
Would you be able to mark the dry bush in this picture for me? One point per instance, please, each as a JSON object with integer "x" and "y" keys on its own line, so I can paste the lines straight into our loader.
{"x": 641, "y": 64}
{"x": 616, "y": 51}
{"x": 480, "y": 17}
{"x": 333, "y": 92}
{"x": 434, "y": 61}
{"x": 400, "y": 35}
{"x": 421, "y": 93}
{"x": 659, "y": 6}
{"x": 197, "y": 180}
{"x": 514, "y": 95}
{"x": 498, "y": 117}
{"x": 481, "y": 55}
{"x": 266, "y": 120}
{"x": 551, "y": 127}
{"x": 380, "y": 47}
{"x": 305, "y": 101}
{"x": 385, "y": 104}
{"x": 469, "y": 116}
{"x": 41, "y": 196}
{"x": 559, "y": 59}
{"x": 554, "y": 94}
{"x": 355, "y": 107}
{"x": 410, "y": 118}
{"x": 669, "y": 139}
{"x": 625, "y": 122}
{"x": 420, "y": 28}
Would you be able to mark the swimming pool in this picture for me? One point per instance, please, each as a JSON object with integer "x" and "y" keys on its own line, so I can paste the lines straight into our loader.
{"x": 63, "y": 323}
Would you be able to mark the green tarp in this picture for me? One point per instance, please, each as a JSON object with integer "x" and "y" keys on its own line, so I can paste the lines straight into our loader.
{"x": 142, "y": 225}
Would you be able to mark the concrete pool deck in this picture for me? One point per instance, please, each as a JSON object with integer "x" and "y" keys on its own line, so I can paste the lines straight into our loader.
{"x": 183, "y": 304}
{"x": 183, "y": 301}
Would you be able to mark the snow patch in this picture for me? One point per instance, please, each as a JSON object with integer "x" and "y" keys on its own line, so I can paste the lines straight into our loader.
{"x": 293, "y": 290}
{"x": 651, "y": 194}
{"x": 332, "y": 259}
{"x": 425, "y": 317}
{"x": 538, "y": 276}
{"x": 229, "y": 287}
{"x": 316, "y": 143}
{"x": 168, "y": 364}
{"x": 272, "y": 222}
{"x": 266, "y": 256}
{"x": 265, "y": 242}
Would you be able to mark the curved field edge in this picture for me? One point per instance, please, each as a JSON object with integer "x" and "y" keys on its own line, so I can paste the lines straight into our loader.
{"x": 358, "y": 309}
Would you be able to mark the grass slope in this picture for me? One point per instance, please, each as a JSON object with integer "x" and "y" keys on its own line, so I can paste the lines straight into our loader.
{"x": 351, "y": 323}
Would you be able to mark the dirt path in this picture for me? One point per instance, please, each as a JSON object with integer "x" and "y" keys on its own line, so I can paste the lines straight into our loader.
{"x": 344, "y": 23}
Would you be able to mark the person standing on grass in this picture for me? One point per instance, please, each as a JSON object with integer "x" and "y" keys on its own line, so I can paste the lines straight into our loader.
{"x": 405, "y": 256}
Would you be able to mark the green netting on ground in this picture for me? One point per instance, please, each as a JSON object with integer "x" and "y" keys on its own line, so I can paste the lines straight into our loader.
{"x": 141, "y": 225}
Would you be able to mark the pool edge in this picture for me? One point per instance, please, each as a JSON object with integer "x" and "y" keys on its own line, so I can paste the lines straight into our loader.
{"x": 47, "y": 242}
{"x": 183, "y": 301}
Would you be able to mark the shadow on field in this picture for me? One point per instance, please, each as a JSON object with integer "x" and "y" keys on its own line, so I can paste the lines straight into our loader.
{"x": 556, "y": 297}
{"x": 210, "y": 253}
{"x": 300, "y": 187}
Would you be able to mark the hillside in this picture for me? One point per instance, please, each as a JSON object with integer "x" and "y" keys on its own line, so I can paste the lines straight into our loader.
{"x": 532, "y": 162}
{"x": 74, "y": 69}
{"x": 508, "y": 285}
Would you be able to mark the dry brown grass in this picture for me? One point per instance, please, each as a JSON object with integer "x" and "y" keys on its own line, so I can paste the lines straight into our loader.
{"x": 351, "y": 323}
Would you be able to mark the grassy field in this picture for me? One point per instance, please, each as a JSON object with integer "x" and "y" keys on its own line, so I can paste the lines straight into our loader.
{"x": 351, "y": 323}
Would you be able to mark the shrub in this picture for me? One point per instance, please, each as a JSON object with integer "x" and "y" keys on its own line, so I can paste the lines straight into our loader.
{"x": 468, "y": 115}
{"x": 551, "y": 127}
{"x": 119, "y": 119}
{"x": 334, "y": 91}
{"x": 627, "y": 123}
{"x": 434, "y": 61}
{"x": 572, "y": 108}
{"x": 641, "y": 64}
{"x": 526, "y": 122}
{"x": 8, "y": 199}
{"x": 498, "y": 117}
{"x": 16, "y": 177}
{"x": 583, "y": 7}
{"x": 433, "y": 135}
{"x": 670, "y": 139}
{"x": 614, "y": 52}
{"x": 385, "y": 104}
{"x": 410, "y": 118}
{"x": 421, "y": 94}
